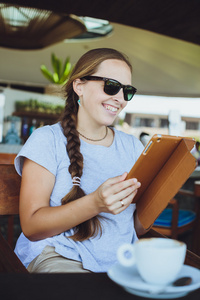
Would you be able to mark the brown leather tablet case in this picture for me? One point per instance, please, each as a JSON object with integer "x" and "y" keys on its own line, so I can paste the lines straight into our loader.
{"x": 162, "y": 168}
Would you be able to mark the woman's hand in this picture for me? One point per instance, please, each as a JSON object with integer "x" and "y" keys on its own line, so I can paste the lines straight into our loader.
{"x": 116, "y": 194}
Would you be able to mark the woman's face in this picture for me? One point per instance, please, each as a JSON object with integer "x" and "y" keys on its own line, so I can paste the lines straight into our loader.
{"x": 97, "y": 107}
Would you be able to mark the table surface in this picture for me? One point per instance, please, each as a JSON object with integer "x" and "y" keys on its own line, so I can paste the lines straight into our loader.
{"x": 69, "y": 286}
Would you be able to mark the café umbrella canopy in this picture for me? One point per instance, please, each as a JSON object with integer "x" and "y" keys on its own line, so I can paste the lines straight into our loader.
{"x": 61, "y": 71}
{"x": 30, "y": 28}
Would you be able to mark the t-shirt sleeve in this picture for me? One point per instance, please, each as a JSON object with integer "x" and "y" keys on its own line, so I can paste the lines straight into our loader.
{"x": 40, "y": 148}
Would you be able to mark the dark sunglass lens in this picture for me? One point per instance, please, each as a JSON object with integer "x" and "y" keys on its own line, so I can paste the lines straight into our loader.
{"x": 111, "y": 87}
{"x": 129, "y": 92}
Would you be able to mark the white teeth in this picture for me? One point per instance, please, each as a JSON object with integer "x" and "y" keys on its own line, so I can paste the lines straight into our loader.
{"x": 108, "y": 107}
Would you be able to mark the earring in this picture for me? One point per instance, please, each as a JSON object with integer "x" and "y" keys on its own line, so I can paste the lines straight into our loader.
{"x": 79, "y": 102}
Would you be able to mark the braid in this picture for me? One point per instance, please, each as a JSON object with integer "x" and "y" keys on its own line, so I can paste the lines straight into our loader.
{"x": 90, "y": 227}
{"x": 73, "y": 143}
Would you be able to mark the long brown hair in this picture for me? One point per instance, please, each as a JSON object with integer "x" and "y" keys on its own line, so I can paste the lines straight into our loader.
{"x": 86, "y": 65}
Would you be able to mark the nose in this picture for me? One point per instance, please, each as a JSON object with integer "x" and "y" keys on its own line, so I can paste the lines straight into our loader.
{"x": 120, "y": 95}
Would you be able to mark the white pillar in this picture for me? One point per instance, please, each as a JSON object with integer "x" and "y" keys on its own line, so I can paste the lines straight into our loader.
{"x": 175, "y": 126}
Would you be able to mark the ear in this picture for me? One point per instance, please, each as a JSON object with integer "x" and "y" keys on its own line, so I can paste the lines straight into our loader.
{"x": 77, "y": 86}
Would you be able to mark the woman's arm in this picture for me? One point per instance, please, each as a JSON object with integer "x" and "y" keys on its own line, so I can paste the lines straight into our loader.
{"x": 39, "y": 220}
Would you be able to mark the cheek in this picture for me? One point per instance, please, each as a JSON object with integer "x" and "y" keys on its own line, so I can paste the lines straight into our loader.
{"x": 91, "y": 92}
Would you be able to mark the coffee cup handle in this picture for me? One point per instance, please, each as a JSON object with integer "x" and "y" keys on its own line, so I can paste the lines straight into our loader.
{"x": 126, "y": 255}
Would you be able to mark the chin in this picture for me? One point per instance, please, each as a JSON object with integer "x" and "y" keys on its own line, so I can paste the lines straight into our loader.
{"x": 109, "y": 123}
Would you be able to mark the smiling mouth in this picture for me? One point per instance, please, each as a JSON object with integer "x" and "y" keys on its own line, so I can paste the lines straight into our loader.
{"x": 110, "y": 108}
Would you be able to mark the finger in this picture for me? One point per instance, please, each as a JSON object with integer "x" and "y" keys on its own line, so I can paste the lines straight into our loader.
{"x": 121, "y": 203}
{"x": 110, "y": 194}
{"x": 123, "y": 189}
{"x": 114, "y": 185}
{"x": 116, "y": 179}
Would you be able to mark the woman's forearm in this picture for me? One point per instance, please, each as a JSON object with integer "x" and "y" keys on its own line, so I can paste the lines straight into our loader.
{"x": 38, "y": 219}
{"x": 49, "y": 221}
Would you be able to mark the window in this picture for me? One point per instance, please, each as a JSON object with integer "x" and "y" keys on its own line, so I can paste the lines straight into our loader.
{"x": 192, "y": 125}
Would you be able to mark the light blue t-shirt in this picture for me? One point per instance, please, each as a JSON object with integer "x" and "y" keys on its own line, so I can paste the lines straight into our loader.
{"x": 47, "y": 147}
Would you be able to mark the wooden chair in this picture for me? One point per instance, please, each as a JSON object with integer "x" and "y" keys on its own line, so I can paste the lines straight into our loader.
{"x": 9, "y": 204}
{"x": 174, "y": 221}
{"x": 8, "y": 158}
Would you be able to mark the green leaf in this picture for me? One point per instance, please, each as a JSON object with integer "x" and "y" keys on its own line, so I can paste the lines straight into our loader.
{"x": 65, "y": 66}
{"x": 53, "y": 62}
{"x": 47, "y": 73}
{"x": 66, "y": 72}
{"x": 57, "y": 64}
{"x": 55, "y": 78}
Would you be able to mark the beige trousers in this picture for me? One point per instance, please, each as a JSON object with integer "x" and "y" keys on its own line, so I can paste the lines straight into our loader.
{"x": 51, "y": 262}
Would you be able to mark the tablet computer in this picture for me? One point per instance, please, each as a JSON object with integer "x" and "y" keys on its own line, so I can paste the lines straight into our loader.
{"x": 162, "y": 168}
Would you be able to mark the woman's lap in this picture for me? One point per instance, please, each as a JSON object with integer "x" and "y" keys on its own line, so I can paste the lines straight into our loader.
{"x": 51, "y": 262}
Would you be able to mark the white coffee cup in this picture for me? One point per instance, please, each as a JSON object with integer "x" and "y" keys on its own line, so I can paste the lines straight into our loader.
{"x": 158, "y": 260}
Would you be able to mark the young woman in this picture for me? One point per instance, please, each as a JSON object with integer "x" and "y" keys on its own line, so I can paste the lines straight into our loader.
{"x": 75, "y": 202}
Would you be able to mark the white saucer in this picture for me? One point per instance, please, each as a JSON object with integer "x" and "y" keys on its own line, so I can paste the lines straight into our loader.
{"x": 155, "y": 296}
{"x": 130, "y": 280}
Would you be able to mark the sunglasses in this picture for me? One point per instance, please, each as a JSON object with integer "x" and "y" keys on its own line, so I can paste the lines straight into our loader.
{"x": 112, "y": 86}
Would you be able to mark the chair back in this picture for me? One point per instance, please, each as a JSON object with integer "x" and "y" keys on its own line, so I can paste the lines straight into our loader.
{"x": 9, "y": 190}
{"x": 7, "y": 158}
{"x": 174, "y": 221}
{"x": 9, "y": 205}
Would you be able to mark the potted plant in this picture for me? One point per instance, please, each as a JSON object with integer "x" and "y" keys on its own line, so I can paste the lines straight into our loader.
{"x": 60, "y": 73}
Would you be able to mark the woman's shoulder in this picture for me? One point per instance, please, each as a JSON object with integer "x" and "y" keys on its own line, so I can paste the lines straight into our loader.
{"x": 47, "y": 132}
{"x": 41, "y": 147}
{"x": 55, "y": 128}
